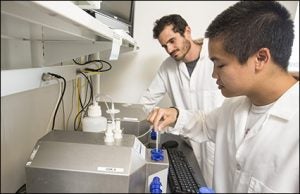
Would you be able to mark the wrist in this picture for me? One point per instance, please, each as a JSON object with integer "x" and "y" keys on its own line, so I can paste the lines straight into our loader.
{"x": 177, "y": 112}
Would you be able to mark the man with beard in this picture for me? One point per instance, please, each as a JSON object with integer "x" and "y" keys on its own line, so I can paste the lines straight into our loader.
{"x": 186, "y": 77}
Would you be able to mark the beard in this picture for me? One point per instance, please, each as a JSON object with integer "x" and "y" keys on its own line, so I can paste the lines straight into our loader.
{"x": 181, "y": 52}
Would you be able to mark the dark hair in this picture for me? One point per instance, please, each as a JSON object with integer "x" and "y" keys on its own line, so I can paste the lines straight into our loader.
{"x": 248, "y": 26}
{"x": 176, "y": 20}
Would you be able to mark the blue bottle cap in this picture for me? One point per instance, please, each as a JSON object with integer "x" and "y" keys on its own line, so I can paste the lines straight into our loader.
{"x": 156, "y": 179}
{"x": 157, "y": 154}
{"x": 153, "y": 134}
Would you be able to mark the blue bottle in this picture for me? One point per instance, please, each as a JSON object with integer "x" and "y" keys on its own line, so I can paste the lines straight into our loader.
{"x": 155, "y": 185}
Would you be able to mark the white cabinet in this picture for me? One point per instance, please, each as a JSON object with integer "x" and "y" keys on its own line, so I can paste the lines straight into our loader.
{"x": 38, "y": 35}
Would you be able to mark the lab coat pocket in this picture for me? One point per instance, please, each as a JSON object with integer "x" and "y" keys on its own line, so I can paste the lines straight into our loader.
{"x": 257, "y": 186}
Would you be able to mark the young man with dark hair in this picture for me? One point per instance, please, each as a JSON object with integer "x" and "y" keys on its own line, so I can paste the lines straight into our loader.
{"x": 256, "y": 130}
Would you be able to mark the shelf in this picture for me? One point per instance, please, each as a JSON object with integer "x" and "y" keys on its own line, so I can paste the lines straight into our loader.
{"x": 49, "y": 24}
{"x": 43, "y": 34}
{"x": 57, "y": 16}
{"x": 20, "y": 80}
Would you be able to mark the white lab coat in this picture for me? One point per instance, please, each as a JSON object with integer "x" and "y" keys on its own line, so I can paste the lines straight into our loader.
{"x": 198, "y": 92}
{"x": 267, "y": 160}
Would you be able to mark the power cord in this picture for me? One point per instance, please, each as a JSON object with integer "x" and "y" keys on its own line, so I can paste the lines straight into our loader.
{"x": 62, "y": 95}
{"x": 84, "y": 107}
{"x": 97, "y": 61}
{"x": 57, "y": 101}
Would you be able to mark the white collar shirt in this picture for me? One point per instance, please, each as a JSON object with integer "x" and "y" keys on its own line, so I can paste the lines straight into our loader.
{"x": 196, "y": 92}
{"x": 266, "y": 160}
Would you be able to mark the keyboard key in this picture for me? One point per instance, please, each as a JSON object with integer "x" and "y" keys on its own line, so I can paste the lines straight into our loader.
{"x": 180, "y": 177}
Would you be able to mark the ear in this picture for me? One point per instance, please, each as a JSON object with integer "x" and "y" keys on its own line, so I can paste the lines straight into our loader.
{"x": 187, "y": 31}
{"x": 262, "y": 57}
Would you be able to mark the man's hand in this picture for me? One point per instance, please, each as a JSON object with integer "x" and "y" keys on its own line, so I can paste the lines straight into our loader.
{"x": 162, "y": 117}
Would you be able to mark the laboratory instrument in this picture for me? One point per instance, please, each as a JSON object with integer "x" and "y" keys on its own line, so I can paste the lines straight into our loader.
{"x": 82, "y": 162}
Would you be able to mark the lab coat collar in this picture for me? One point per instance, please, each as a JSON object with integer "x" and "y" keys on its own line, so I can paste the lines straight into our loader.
{"x": 240, "y": 119}
{"x": 287, "y": 105}
{"x": 285, "y": 108}
{"x": 204, "y": 48}
{"x": 203, "y": 54}
{"x": 183, "y": 69}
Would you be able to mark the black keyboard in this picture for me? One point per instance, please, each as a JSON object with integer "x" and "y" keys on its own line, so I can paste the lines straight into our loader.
{"x": 180, "y": 177}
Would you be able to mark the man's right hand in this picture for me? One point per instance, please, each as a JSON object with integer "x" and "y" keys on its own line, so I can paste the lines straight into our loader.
{"x": 161, "y": 118}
